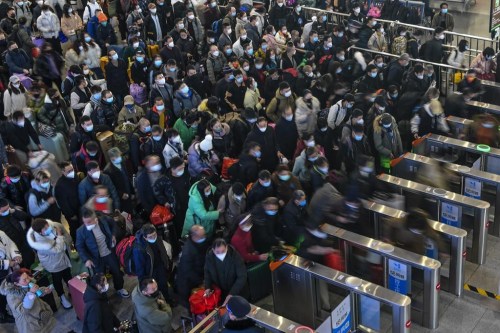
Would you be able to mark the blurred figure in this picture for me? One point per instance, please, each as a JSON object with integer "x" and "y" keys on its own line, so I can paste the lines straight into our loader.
{"x": 238, "y": 308}
{"x": 243, "y": 242}
{"x": 430, "y": 118}
{"x": 484, "y": 130}
{"x": 484, "y": 65}
{"x": 295, "y": 218}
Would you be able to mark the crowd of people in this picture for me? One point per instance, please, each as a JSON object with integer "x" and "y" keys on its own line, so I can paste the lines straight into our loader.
{"x": 252, "y": 125}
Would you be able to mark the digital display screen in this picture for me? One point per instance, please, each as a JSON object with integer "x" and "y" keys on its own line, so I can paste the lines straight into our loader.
{"x": 495, "y": 15}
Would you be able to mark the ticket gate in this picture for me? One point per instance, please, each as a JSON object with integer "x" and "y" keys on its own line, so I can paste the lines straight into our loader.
{"x": 475, "y": 107}
{"x": 214, "y": 322}
{"x": 491, "y": 92}
{"x": 458, "y": 126}
{"x": 447, "y": 149}
{"x": 473, "y": 183}
{"x": 403, "y": 271}
{"x": 452, "y": 268}
{"x": 449, "y": 208}
{"x": 300, "y": 287}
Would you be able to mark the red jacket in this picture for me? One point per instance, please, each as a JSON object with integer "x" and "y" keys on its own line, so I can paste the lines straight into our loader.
{"x": 242, "y": 242}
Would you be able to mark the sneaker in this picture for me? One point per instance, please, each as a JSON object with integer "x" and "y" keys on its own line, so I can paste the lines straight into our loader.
{"x": 6, "y": 318}
{"x": 123, "y": 293}
{"x": 65, "y": 302}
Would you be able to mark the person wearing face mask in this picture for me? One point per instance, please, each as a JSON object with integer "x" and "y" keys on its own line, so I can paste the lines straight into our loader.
{"x": 231, "y": 205}
{"x": 159, "y": 114}
{"x": 90, "y": 10}
{"x": 235, "y": 93}
{"x": 79, "y": 96}
{"x": 130, "y": 112}
{"x": 66, "y": 194}
{"x": 376, "y": 109}
{"x": 377, "y": 40}
{"x": 84, "y": 132}
{"x": 284, "y": 97}
{"x": 184, "y": 98}
{"x": 289, "y": 58}
{"x": 150, "y": 258}
{"x": 265, "y": 136}
{"x": 443, "y": 19}
{"x": 457, "y": 57}
{"x": 155, "y": 28}
{"x": 10, "y": 258}
{"x": 86, "y": 188}
{"x": 51, "y": 242}
{"x": 337, "y": 117}
{"x": 484, "y": 65}
{"x": 356, "y": 118}
{"x": 48, "y": 24}
{"x": 430, "y": 118}
{"x": 18, "y": 133}
{"x": 416, "y": 81}
{"x": 54, "y": 113}
{"x": 99, "y": 316}
{"x": 470, "y": 81}
{"x": 296, "y": 20}
{"x": 278, "y": 14}
{"x": 151, "y": 310}
{"x": 201, "y": 208}
{"x": 41, "y": 203}
{"x": 285, "y": 183}
{"x": 356, "y": 14}
{"x": 304, "y": 164}
{"x": 432, "y": 50}
{"x": 173, "y": 147}
{"x": 106, "y": 112}
{"x": 243, "y": 243}
{"x": 202, "y": 159}
{"x": 121, "y": 177}
{"x": 306, "y": 112}
{"x": 371, "y": 82}
{"x": 171, "y": 52}
{"x": 366, "y": 32}
{"x": 117, "y": 78}
{"x": 286, "y": 131}
{"x": 295, "y": 216}
{"x": 139, "y": 68}
{"x": 215, "y": 64}
{"x": 23, "y": 297}
{"x": 456, "y": 104}
{"x": 156, "y": 143}
{"x": 266, "y": 224}
{"x": 211, "y": 14}
{"x": 395, "y": 70}
{"x": 93, "y": 56}
{"x": 22, "y": 33}
{"x": 71, "y": 23}
{"x": 241, "y": 21}
{"x": 387, "y": 140}
{"x": 15, "y": 185}
{"x": 353, "y": 147}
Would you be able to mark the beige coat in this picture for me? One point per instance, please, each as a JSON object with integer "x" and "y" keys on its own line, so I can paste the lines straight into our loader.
{"x": 69, "y": 25}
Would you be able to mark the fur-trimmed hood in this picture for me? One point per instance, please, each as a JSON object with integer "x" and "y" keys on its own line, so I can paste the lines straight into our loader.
{"x": 9, "y": 288}
{"x": 377, "y": 128}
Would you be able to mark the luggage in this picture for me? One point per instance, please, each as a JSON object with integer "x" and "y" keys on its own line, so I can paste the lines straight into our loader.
{"x": 161, "y": 215}
{"x": 201, "y": 305}
{"x": 106, "y": 141}
{"x": 121, "y": 136}
{"x": 138, "y": 93}
{"x": 56, "y": 146}
{"x": 104, "y": 61}
{"x": 227, "y": 162}
{"x": 77, "y": 286}
{"x": 259, "y": 280}
{"x": 43, "y": 160}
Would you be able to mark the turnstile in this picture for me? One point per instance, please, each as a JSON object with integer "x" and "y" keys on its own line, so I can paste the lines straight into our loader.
{"x": 449, "y": 208}
{"x": 473, "y": 183}
{"x": 482, "y": 107}
{"x": 299, "y": 285}
{"x": 452, "y": 268}
{"x": 491, "y": 92}
{"x": 459, "y": 126}
{"x": 447, "y": 149}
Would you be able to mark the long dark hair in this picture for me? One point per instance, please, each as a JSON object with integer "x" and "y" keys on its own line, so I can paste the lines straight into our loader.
{"x": 207, "y": 201}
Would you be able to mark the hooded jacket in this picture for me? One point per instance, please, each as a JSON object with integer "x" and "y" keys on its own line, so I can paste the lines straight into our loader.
{"x": 55, "y": 115}
{"x": 196, "y": 163}
{"x": 51, "y": 250}
{"x": 276, "y": 103}
{"x": 306, "y": 115}
{"x": 198, "y": 214}
{"x": 387, "y": 140}
{"x": 153, "y": 314}
{"x": 98, "y": 317}
{"x": 230, "y": 275}
{"x": 183, "y": 102}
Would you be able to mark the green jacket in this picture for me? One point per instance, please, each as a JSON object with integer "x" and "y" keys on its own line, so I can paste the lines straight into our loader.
{"x": 197, "y": 214}
{"x": 151, "y": 316}
{"x": 186, "y": 133}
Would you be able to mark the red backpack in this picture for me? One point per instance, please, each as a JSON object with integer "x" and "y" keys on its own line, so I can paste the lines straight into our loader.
{"x": 124, "y": 251}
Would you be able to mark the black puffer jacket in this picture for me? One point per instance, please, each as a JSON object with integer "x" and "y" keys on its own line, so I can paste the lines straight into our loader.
{"x": 98, "y": 316}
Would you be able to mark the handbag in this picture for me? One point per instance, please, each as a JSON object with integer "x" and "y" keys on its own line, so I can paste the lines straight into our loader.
{"x": 46, "y": 130}
{"x": 161, "y": 215}
{"x": 227, "y": 162}
{"x": 62, "y": 37}
{"x": 199, "y": 304}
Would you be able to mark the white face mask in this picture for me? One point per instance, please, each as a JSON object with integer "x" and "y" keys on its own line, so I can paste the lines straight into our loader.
{"x": 246, "y": 229}
{"x": 96, "y": 174}
{"x": 262, "y": 129}
{"x": 71, "y": 175}
{"x": 288, "y": 93}
{"x": 171, "y": 44}
{"x": 90, "y": 227}
{"x": 221, "y": 256}
{"x": 105, "y": 288}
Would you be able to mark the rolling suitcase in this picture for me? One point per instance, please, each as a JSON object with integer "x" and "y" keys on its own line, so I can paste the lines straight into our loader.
{"x": 77, "y": 286}
{"x": 259, "y": 280}
{"x": 106, "y": 141}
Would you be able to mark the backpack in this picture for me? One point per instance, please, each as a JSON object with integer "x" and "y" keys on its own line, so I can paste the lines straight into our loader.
{"x": 217, "y": 27}
{"x": 92, "y": 26}
{"x": 122, "y": 135}
{"x": 124, "y": 251}
{"x": 399, "y": 45}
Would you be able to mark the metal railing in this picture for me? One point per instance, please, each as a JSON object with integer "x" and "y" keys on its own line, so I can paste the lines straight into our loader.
{"x": 449, "y": 208}
{"x": 452, "y": 278}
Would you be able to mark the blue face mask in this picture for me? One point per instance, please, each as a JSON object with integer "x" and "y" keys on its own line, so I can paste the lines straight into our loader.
{"x": 151, "y": 241}
{"x": 284, "y": 177}
{"x": 147, "y": 129}
{"x": 157, "y": 63}
{"x": 157, "y": 137}
{"x": 271, "y": 212}
{"x": 444, "y": 10}
{"x": 7, "y": 212}
{"x": 324, "y": 18}
{"x": 185, "y": 90}
{"x": 117, "y": 160}
{"x": 201, "y": 240}
{"x": 250, "y": 52}
{"x": 373, "y": 75}
{"x": 303, "y": 203}
{"x": 239, "y": 79}
{"x": 257, "y": 154}
{"x": 15, "y": 180}
{"x": 358, "y": 137}
{"x": 97, "y": 96}
{"x": 229, "y": 51}
{"x": 315, "y": 39}
{"x": 312, "y": 159}
{"x": 109, "y": 100}
{"x": 266, "y": 184}
{"x": 231, "y": 77}
{"x": 160, "y": 107}
{"x": 105, "y": 23}
{"x": 101, "y": 199}
{"x": 88, "y": 39}
{"x": 140, "y": 59}
{"x": 172, "y": 69}
{"x": 48, "y": 231}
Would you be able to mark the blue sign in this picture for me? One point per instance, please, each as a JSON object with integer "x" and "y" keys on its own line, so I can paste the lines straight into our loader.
{"x": 472, "y": 188}
{"x": 398, "y": 277}
{"x": 341, "y": 317}
{"x": 450, "y": 214}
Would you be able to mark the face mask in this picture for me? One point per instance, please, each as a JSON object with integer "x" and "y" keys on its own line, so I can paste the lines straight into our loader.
{"x": 181, "y": 25}
{"x": 92, "y": 154}
{"x": 310, "y": 74}
{"x": 7, "y": 212}
{"x": 185, "y": 90}
{"x": 246, "y": 68}
{"x": 151, "y": 241}
{"x": 262, "y": 129}
{"x": 16, "y": 85}
{"x": 213, "y": 4}
{"x": 89, "y": 128}
{"x": 239, "y": 79}
{"x": 380, "y": 65}
{"x": 466, "y": 48}
{"x": 191, "y": 17}
{"x": 348, "y": 105}
{"x": 117, "y": 160}
{"x": 71, "y": 175}
{"x": 171, "y": 44}
{"x": 341, "y": 58}
{"x": 48, "y": 231}
{"x": 324, "y": 129}
{"x": 257, "y": 66}
{"x": 15, "y": 180}
{"x": 289, "y": 118}
{"x": 246, "y": 229}
{"x": 444, "y": 10}
{"x": 358, "y": 137}
{"x": 90, "y": 227}
{"x": 179, "y": 173}
{"x": 45, "y": 185}
{"x": 161, "y": 81}
{"x": 140, "y": 59}
{"x": 157, "y": 137}
{"x": 373, "y": 75}
{"x": 341, "y": 34}
{"x": 229, "y": 31}
{"x": 441, "y": 37}
{"x": 312, "y": 159}
{"x": 157, "y": 63}
{"x": 357, "y": 10}
{"x": 96, "y": 175}
{"x": 280, "y": 4}
{"x": 86, "y": 71}
{"x": 284, "y": 177}
{"x": 109, "y": 100}
{"x": 155, "y": 168}
{"x": 303, "y": 203}
{"x": 360, "y": 122}
{"x": 221, "y": 256}
{"x": 216, "y": 54}
{"x": 324, "y": 18}
{"x": 420, "y": 76}
{"x": 288, "y": 93}
{"x": 114, "y": 57}
{"x": 211, "y": 40}
{"x": 87, "y": 39}
{"x": 271, "y": 212}
{"x": 101, "y": 200}
{"x": 105, "y": 289}
{"x": 310, "y": 143}
{"x": 257, "y": 154}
